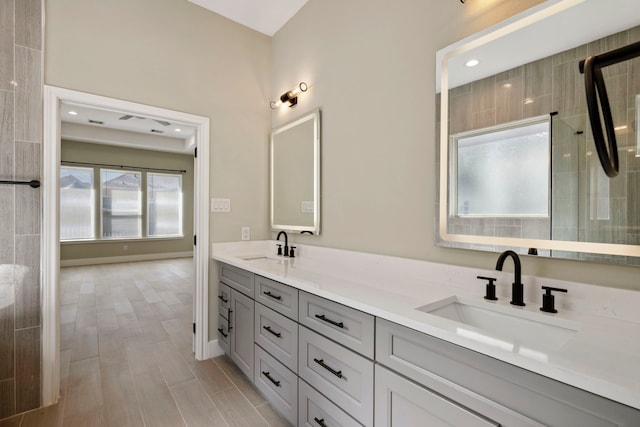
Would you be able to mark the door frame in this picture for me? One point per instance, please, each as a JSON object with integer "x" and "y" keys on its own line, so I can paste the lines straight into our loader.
{"x": 50, "y": 257}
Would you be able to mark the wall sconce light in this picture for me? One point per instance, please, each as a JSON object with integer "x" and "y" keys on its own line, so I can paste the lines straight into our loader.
{"x": 289, "y": 98}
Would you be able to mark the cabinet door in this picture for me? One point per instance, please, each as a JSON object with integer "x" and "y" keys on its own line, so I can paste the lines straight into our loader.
{"x": 241, "y": 331}
{"x": 400, "y": 402}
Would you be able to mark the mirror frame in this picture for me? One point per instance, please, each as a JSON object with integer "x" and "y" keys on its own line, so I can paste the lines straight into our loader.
{"x": 314, "y": 115}
{"x": 518, "y": 22}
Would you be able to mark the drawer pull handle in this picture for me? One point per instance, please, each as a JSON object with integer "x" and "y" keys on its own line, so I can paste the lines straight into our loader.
{"x": 320, "y": 421}
{"x": 229, "y": 311}
{"x": 223, "y": 299}
{"x": 328, "y": 368}
{"x": 222, "y": 332}
{"x": 266, "y": 374}
{"x": 333, "y": 322}
{"x": 268, "y": 329}
{"x": 269, "y": 294}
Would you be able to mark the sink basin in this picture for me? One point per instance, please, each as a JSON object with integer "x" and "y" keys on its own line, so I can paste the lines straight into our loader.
{"x": 506, "y": 327}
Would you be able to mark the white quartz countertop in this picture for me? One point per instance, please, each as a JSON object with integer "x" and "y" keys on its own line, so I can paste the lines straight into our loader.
{"x": 602, "y": 356}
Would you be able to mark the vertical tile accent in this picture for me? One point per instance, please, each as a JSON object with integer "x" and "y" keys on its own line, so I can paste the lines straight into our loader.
{"x": 27, "y": 369}
{"x": 29, "y": 23}
{"x": 21, "y": 89}
{"x": 7, "y": 398}
{"x": 27, "y": 165}
{"x": 28, "y": 94}
{"x": 6, "y": 327}
{"x": 27, "y": 282}
{"x": 6, "y": 44}
{"x": 7, "y": 210}
{"x": 6, "y": 134}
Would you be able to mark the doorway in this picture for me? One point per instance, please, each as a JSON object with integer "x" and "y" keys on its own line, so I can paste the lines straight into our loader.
{"x": 54, "y": 99}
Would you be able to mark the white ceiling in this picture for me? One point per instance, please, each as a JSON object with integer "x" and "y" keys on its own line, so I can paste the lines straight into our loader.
{"x": 103, "y": 126}
{"x": 265, "y": 16}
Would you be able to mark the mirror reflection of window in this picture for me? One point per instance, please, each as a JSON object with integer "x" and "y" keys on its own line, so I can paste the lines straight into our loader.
{"x": 503, "y": 171}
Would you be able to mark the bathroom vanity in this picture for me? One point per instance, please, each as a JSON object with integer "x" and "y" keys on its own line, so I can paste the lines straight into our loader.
{"x": 338, "y": 338}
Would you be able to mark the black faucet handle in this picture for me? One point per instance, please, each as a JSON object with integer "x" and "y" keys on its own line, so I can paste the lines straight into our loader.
{"x": 279, "y": 249}
{"x": 292, "y": 253}
{"x": 491, "y": 288}
{"x": 548, "y": 299}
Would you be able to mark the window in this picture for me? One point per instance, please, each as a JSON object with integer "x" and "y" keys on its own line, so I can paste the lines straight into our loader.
{"x": 120, "y": 211}
{"x": 121, "y": 204}
{"x": 164, "y": 205}
{"x": 503, "y": 171}
{"x": 77, "y": 202}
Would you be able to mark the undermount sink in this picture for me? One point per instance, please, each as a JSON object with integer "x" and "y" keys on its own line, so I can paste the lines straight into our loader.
{"x": 509, "y": 328}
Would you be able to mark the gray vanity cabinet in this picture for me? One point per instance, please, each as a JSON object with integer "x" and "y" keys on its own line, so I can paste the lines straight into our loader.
{"x": 500, "y": 392}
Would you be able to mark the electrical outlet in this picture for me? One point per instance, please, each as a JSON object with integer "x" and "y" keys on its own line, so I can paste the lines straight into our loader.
{"x": 246, "y": 233}
{"x": 125, "y": 247}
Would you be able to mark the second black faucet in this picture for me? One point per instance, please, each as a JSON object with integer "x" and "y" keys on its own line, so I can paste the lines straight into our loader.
{"x": 517, "y": 289}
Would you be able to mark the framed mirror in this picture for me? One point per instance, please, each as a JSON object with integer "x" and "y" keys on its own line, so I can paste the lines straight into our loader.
{"x": 295, "y": 175}
{"x": 517, "y": 163}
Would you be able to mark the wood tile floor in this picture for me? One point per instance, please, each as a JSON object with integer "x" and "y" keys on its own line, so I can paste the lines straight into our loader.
{"x": 126, "y": 355}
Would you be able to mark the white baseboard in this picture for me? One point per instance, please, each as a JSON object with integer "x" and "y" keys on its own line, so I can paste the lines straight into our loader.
{"x": 214, "y": 349}
{"x": 125, "y": 258}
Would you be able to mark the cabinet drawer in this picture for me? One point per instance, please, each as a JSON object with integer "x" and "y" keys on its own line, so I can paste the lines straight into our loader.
{"x": 278, "y": 384}
{"x": 224, "y": 300}
{"x": 223, "y": 334}
{"x": 239, "y": 279}
{"x": 349, "y": 327}
{"x": 503, "y": 392}
{"x": 400, "y": 402}
{"x": 315, "y": 410}
{"x": 278, "y": 296}
{"x": 278, "y": 335}
{"x": 344, "y": 377}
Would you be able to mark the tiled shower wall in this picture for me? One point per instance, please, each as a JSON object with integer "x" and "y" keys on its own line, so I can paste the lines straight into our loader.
{"x": 21, "y": 80}
{"x": 553, "y": 84}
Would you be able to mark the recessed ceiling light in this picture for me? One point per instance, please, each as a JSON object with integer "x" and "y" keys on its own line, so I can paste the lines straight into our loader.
{"x": 178, "y": 130}
{"x": 472, "y": 63}
{"x": 73, "y": 113}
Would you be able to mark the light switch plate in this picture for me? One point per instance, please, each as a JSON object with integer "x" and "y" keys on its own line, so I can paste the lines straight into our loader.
{"x": 220, "y": 205}
{"x": 246, "y": 233}
{"x": 306, "y": 207}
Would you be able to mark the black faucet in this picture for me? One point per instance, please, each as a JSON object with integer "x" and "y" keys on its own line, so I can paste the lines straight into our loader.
{"x": 286, "y": 243}
{"x": 517, "y": 290}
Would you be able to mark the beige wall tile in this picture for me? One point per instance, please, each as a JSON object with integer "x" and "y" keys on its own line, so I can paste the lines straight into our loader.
{"x": 28, "y": 94}
{"x": 6, "y": 134}
{"x": 28, "y": 23}
{"x": 27, "y": 291}
{"x": 27, "y": 369}
{"x": 6, "y": 44}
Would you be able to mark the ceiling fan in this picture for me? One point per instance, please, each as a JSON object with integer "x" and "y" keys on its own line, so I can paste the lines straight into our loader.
{"x": 129, "y": 116}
